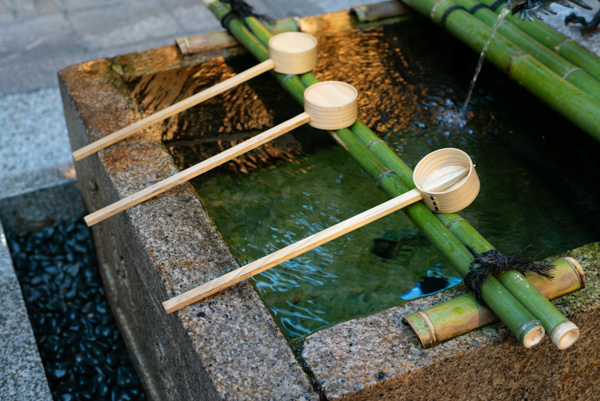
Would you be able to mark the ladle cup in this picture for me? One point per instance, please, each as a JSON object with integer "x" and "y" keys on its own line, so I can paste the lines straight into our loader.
{"x": 289, "y": 53}
{"x": 447, "y": 175}
{"x": 329, "y": 105}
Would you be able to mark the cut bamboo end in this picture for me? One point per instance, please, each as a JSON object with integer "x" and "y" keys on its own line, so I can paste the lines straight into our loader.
{"x": 332, "y": 105}
{"x": 293, "y": 52}
{"x": 565, "y": 335}
{"x": 423, "y": 328}
{"x": 576, "y": 268}
{"x": 453, "y": 198}
{"x": 533, "y": 336}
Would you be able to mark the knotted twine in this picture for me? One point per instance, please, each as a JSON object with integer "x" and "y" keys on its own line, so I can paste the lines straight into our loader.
{"x": 492, "y": 262}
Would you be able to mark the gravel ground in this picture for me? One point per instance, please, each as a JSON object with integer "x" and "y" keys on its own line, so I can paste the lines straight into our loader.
{"x": 82, "y": 351}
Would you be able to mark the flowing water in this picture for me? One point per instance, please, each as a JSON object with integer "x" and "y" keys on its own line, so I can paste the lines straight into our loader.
{"x": 501, "y": 18}
{"x": 535, "y": 170}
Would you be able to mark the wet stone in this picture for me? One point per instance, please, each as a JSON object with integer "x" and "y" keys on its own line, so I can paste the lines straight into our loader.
{"x": 81, "y": 348}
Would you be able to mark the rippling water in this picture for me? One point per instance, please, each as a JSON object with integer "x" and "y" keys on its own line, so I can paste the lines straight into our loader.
{"x": 536, "y": 170}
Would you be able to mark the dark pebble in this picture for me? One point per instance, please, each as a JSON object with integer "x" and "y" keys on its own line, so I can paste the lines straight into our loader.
{"x": 71, "y": 294}
{"x": 52, "y": 347}
{"x": 101, "y": 308}
{"x": 58, "y": 374}
{"x": 39, "y": 279}
{"x": 112, "y": 359}
{"x": 15, "y": 247}
{"x": 89, "y": 273}
{"x": 59, "y": 278}
{"x": 74, "y": 325}
{"x": 80, "y": 346}
{"x": 51, "y": 270}
{"x": 73, "y": 269}
{"x": 69, "y": 227}
{"x": 102, "y": 390}
{"x": 87, "y": 395}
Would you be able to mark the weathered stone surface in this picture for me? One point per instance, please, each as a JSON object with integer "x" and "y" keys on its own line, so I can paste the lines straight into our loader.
{"x": 379, "y": 357}
{"x": 23, "y": 376}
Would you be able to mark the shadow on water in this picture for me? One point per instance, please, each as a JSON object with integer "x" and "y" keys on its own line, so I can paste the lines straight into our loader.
{"x": 535, "y": 169}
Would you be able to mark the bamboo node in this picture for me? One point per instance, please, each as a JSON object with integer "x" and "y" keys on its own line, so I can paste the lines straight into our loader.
{"x": 383, "y": 175}
{"x": 512, "y": 59}
{"x": 572, "y": 70}
{"x": 374, "y": 143}
{"x": 558, "y": 46}
{"x": 434, "y": 9}
{"x": 453, "y": 222}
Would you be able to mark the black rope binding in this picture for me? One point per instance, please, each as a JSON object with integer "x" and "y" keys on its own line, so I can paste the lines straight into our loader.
{"x": 492, "y": 262}
{"x": 471, "y": 11}
{"x": 447, "y": 13}
{"x": 240, "y": 9}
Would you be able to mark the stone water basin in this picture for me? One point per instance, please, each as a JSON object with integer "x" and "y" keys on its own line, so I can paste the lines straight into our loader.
{"x": 230, "y": 347}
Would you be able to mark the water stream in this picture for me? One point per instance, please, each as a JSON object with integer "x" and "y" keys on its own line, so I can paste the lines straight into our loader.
{"x": 501, "y": 18}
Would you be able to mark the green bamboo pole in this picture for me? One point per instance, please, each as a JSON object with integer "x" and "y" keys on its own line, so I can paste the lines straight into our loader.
{"x": 460, "y": 315}
{"x": 518, "y": 319}
{"x": 549, "y": 58}
{"x": 220, "y": 40}
{"x": 581, "y": 109}
{"x": 564, "y": 46}
{"x": 554, "y": 322}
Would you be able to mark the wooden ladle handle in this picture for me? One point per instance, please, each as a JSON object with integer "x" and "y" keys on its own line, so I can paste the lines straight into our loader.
{"x": 196, "y": 170}
{"x": 174, "y": 109}
{"x": 291, "y": 251}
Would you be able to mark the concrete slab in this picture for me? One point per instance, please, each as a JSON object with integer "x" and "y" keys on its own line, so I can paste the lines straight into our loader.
{"x": 23, "y": 377}
{"x": 46, "y": 7}
{"x": 35, "y": 136}
{"x": 21, "y": 9}
{"x": 122, "y": 24}
{"x": 196, "y": 17}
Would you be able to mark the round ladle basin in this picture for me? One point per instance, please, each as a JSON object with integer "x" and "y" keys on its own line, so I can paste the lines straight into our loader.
{"x": 293, "y": 52}
{"x": 331, "y": 105}
{"x": 455, "y": 194}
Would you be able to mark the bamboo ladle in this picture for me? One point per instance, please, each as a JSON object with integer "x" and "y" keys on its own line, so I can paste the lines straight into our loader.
{"x": 329, "y": 105}
{"x": 445, "y": 179}
{"x": 289, "y": 53}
